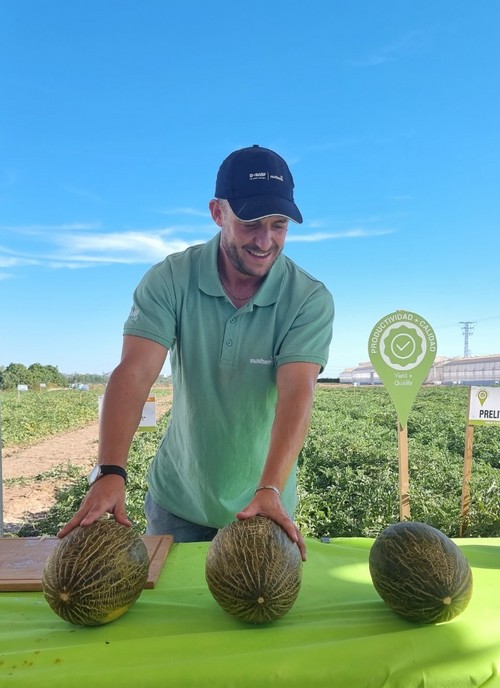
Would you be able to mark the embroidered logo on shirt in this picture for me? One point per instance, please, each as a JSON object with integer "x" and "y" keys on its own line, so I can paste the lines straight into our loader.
{"x": 134, "y": 313}
{"x": 261, "y": 361}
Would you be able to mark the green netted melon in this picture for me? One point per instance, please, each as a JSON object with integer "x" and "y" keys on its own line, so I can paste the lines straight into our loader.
{"x": 420, "y": 573}
{"x": 95, "y": 573}
{"x": 254, "y": 570}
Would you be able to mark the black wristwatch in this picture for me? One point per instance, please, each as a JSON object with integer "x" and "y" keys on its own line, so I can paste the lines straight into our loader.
{"x": 100, "y": 470}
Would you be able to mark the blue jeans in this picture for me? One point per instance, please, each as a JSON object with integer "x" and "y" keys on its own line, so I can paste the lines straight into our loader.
{"x": 162, "y": 522}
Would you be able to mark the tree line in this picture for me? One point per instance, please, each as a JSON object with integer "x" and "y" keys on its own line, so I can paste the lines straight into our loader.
{"x": 37, "y": 374}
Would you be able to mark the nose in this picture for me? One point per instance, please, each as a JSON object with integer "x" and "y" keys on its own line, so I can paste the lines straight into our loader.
{"x": 263, "y": 238}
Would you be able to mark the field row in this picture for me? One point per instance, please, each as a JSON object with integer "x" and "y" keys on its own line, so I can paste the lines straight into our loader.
{"x": 348, "y": 467}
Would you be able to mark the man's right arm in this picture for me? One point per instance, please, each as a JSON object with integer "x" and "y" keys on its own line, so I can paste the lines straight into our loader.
{"x": 126, "y": 393}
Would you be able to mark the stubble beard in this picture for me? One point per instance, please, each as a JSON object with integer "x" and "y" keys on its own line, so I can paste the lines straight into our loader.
{"x": 235, "y": 259}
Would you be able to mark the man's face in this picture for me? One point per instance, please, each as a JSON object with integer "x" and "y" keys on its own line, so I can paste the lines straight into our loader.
{"x": 252, "y": 247}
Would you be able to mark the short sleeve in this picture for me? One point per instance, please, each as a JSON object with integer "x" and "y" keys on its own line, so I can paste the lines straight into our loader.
{"x": 308, "y": 339}
{"x": 153, "y": 312}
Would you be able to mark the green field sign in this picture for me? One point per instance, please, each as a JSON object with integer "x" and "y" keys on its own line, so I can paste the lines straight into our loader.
{"x": 402, "y": 347}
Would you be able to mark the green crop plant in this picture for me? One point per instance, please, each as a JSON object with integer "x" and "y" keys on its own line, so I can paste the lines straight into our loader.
{"x": 348, "y": 467}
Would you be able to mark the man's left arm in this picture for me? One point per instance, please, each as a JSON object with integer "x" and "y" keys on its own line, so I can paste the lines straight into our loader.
{"x": 295, "y": 385}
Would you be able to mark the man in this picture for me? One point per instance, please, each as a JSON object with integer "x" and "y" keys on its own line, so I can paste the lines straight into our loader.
{"x": 248, "y": 332}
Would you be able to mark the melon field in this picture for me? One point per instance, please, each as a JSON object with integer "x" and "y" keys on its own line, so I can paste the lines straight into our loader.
{"x": 347, "y": 469}
{"x": 31, "y": 416}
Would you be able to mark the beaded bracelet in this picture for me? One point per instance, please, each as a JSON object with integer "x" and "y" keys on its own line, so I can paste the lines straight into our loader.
{"x": 269, "y": 487}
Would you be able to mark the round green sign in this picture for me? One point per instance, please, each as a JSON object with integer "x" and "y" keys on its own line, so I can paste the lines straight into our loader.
{"x": 402, "y": 348}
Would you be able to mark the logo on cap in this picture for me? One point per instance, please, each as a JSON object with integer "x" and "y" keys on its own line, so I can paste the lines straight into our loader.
{"x": 265, "y": 175}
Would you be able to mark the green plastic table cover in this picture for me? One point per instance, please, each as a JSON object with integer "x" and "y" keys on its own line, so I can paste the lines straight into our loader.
{"x": 338, "y": 634}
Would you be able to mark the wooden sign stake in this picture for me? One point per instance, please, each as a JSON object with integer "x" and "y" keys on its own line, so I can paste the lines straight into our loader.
{"x": 484, "y": 409}
{"x": 404, "y": 481}
{"x": 464, "y": 509}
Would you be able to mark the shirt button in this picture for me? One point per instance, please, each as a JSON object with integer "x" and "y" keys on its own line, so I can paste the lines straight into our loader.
{"x": 233, "y": 320}
{"x": 229, "y": 342}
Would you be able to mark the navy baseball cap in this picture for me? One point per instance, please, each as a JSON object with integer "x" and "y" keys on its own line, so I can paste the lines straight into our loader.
{"x": 257, "y": 183}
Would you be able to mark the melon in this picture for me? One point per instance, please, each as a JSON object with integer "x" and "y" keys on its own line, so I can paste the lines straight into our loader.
{"x": 254, "y": 570}
{"x": 420, "y": 572}
{"x": 95, "y": 573}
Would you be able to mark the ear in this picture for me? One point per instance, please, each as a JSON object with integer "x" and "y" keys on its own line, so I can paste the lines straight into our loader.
{"x": 216, "y": 211}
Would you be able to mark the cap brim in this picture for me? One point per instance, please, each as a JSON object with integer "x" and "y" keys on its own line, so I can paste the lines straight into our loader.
{"x": 257, "y": 207}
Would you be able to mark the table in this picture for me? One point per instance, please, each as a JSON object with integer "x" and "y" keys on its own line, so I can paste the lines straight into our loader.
{"x": 338, "y": 634}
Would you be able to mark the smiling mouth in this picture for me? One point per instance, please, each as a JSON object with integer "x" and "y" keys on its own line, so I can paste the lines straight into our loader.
{"x": 259, "y": 254}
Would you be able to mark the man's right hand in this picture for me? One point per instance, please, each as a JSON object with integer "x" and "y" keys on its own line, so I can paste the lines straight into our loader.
{"x": 107, "y": 495}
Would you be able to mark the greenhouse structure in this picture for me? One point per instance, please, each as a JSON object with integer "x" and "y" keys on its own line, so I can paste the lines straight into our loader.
{"x": 470, "y": 370}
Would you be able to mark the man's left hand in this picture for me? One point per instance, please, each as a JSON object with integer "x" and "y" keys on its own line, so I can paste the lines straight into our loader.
{"x": 268, "y": 503}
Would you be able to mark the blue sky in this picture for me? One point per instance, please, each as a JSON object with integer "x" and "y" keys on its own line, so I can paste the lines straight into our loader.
{"x": 115, "y": 116}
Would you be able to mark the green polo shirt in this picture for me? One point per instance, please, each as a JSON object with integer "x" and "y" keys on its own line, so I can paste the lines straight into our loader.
{"x": 224, "y": 362}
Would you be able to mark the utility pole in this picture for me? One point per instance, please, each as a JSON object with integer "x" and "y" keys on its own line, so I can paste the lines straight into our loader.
{"x": 467, "y": 329}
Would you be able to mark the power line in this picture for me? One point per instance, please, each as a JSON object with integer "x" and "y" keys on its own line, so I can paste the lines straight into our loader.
{"x": 491, "y": 317}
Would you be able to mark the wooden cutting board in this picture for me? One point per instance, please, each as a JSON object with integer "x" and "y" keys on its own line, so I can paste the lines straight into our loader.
{"x": 22, "y": 560}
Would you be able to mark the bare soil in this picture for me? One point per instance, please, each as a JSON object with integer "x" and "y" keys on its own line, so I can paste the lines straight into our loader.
{"x": 27, "y": 497}
{"x": 31, "y": 475}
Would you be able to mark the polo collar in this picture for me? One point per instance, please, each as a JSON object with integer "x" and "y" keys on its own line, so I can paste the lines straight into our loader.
{"x": 209, "y": 282}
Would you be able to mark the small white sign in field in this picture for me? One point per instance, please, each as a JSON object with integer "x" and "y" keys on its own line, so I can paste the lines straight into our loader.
{"x": 148, "y": 416}
{"x": 484, "y": 406}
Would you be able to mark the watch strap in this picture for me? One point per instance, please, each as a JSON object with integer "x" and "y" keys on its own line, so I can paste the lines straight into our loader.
{"x": 112, "y": 469}
{"x": 107, "y": 469}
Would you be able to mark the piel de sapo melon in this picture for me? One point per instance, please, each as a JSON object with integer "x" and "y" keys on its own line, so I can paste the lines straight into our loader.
{"x": 254, "y": 570}
{"x": 420, "y": 572}
{"x": 95, "y": 573}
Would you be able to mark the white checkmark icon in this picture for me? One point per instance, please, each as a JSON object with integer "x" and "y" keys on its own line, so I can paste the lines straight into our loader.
{"x": 402, "y": 347}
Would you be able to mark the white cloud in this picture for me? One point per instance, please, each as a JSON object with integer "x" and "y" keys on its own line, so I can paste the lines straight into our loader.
{"x": 119, "y": 247}
{"x": 43, "y": 230}
{"x": 194, "y": 212}
{"x": 404, "y": 45}
{"x": 348, "y": 234}
{"x": 82, "y": 193}
{"x": 10, "y": 259}
{"x": 79, "y": 245}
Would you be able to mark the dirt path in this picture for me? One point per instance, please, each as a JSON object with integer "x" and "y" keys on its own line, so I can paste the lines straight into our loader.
{"x": 32, "y": 474}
